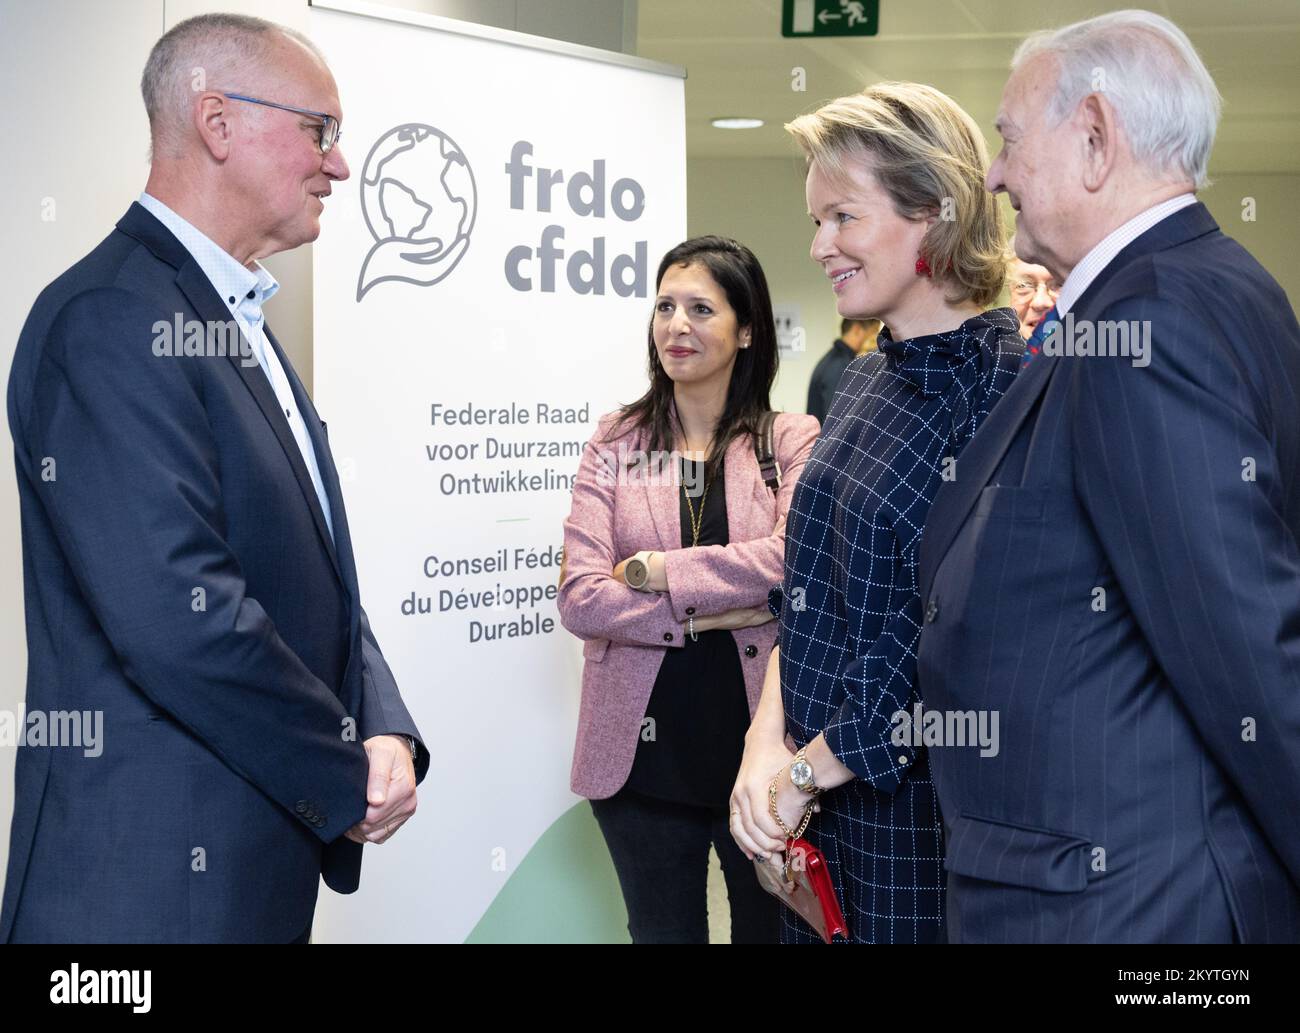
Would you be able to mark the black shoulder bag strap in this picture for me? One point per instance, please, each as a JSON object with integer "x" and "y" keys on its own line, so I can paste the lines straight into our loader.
{"x": 765, "y": 451}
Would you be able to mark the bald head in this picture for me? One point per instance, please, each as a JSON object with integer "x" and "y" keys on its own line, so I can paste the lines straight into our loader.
{"x": 240, "y": 110}
{"x": 213, "y": 52}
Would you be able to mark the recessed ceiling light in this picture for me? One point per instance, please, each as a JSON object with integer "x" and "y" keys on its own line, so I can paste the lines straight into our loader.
{"x": 737, "y": 123}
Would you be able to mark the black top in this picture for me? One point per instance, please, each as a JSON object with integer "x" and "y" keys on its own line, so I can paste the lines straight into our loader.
{"x": 826, "y": 377}
{"x": 698, "y": 704}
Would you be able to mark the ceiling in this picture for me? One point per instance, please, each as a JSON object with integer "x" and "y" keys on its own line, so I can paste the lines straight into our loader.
{"x": 738, "y": 64}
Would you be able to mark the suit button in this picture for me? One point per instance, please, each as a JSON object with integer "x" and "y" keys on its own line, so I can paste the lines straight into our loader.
{"x": 690, "y": 611}
{"x": 932, "y": 612}
{"x": 668, "y": 636}
{"x": 751, "y": 651}
{"x": 319, "y": 821}
{"x": 301, "y": 807}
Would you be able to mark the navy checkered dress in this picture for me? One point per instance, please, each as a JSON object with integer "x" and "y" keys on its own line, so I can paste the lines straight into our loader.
{"x": 851, "y": 616}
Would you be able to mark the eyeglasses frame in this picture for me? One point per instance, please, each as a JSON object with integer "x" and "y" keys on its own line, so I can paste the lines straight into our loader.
{"x": 327, "y": 119}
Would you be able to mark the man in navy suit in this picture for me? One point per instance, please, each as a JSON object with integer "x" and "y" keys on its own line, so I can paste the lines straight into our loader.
{"x": 188, "y": 570}
{"x": 1113, "y": 572}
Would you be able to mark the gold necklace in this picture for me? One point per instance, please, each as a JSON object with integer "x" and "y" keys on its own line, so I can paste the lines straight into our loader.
{"x": 696, "y": 522}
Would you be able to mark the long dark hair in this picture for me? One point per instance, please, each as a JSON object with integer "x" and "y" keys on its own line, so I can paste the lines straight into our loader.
{"x": 741, "y": 278}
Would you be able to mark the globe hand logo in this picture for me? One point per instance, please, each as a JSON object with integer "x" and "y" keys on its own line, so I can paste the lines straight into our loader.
{"x": 419, "y": 201}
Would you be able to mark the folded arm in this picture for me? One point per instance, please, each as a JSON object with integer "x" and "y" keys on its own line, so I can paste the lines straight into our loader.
{"x": 592, "y": 602}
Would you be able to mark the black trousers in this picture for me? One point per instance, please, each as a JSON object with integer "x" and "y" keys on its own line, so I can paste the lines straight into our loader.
{"x": 661, "y": 853}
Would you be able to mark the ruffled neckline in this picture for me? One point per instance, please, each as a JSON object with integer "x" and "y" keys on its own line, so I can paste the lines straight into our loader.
{"x": 931, "y": 361}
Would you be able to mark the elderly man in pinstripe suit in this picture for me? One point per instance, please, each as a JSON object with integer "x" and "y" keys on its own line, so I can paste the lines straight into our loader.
{"x": 1114, "y": 570}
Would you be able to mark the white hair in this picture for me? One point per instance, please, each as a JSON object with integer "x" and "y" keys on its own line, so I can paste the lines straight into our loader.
{"x": 208, "y": 52}
{"x": 1153, "y": 77}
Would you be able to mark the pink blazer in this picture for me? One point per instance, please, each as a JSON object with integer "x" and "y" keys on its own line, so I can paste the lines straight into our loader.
{"x": 625, "y": 632}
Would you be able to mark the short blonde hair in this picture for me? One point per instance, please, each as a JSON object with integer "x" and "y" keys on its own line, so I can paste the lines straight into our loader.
{"x": 929, "y": 156}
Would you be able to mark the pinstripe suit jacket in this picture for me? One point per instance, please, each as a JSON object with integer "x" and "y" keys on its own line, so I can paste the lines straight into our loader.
{"x": 1115, "y": 572}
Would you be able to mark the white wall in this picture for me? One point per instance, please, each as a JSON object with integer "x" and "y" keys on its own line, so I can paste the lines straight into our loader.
{"x": 1273, "y": 234}
{"x": 71, "y": 114}
{"x": 760, "y": 202}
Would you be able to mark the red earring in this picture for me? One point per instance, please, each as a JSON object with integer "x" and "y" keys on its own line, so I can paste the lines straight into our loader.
{"x": 923, "y": 267}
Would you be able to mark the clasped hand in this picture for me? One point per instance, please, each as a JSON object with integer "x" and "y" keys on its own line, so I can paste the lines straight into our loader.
{"x": 390, "y": 790}
{"x": 752, "y": 825}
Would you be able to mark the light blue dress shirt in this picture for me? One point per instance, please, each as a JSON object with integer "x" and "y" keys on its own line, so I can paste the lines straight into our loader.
{"x": 243, "y": 291}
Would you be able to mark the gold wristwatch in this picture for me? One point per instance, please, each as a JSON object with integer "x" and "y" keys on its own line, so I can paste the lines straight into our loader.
{"x": 801, "y": 774}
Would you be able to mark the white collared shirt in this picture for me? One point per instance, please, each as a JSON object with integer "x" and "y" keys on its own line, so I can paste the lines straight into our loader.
{"x": 1082, "y": 275}
{"x": 243, "y": 291}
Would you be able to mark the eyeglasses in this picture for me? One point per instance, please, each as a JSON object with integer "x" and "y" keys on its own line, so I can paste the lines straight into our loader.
{"x": 1024, "y": 289}
{"x": 329, "y": 129}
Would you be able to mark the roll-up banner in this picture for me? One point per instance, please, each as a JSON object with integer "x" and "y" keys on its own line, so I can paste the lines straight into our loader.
{"x": 483, "y": 286}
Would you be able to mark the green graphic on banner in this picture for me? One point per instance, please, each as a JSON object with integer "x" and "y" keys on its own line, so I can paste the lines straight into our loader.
{"x": 564, "y": 891}
{"x": 801, "y": 18}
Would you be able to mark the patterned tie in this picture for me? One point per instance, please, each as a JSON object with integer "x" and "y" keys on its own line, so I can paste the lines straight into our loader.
{"x": 1034, "y": 346}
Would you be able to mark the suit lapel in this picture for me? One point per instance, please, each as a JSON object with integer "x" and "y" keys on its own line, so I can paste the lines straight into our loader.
{"x": 662, "y": 494}
{"x": 954, "y": 500}
{"x": 140, "y": 224}
{"x": 664, "y": 499}
{"x": 328, "y": 473}
{"x": 977, "y": 463}
{"x": 203, "y": 296}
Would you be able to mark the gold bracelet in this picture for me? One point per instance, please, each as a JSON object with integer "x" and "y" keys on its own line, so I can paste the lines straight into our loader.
{"x": 776, "y": 815}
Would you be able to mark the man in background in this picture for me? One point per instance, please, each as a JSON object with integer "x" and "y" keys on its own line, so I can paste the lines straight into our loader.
{"x": 1033, "y": 290}
{"x": 857, "y": 336}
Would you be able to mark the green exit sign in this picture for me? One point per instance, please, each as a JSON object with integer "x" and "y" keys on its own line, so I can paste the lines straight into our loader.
{"x": 801, "y": 18}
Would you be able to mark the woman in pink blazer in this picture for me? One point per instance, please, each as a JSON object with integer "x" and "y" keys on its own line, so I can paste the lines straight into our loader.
{"x": 672, "y": 545}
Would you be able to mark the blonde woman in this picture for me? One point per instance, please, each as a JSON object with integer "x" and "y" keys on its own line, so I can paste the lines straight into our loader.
{"x": 906, "y": 232}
